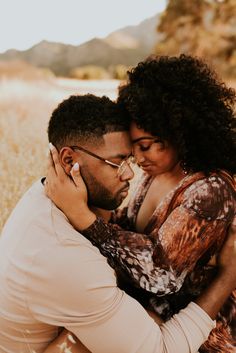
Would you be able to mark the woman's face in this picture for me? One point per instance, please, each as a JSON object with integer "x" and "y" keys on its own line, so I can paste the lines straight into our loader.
{"x": 153, "y": 156}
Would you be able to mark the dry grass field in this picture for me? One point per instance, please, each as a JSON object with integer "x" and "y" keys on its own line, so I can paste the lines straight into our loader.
{"x": 25, "y": 108}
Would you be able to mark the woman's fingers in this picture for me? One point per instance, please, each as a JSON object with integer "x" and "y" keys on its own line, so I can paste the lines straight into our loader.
{"x": 68, "y": 192}
{"x": 75, "y": 173}
{"x": 51, "y": 172}
{"x": 59, "y": 171}
{"x": 227, "y": 256}
{"x": 79, "y": 182}
{"x": 50, "y": 163}
{"x": 50, "y": 159}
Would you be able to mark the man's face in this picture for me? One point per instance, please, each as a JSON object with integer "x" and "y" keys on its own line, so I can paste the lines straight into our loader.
{"x": 106, "y": 189}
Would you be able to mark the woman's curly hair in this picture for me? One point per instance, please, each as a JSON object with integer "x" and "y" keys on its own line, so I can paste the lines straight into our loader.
{"x": 180, "y": 100}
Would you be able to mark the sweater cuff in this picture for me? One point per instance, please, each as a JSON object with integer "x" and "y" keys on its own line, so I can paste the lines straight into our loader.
{"x": 196, "y": 324}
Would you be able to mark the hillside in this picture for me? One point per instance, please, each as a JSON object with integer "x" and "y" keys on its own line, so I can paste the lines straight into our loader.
{"x": 206, "y": 28}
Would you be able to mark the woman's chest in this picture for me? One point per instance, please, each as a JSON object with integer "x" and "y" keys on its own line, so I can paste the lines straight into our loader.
{"x": 155, "y": 201}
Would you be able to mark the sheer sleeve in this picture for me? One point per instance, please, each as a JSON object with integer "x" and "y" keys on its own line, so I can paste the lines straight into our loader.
{"x": 160, "y": 261}
{"x": 120, "y": 217}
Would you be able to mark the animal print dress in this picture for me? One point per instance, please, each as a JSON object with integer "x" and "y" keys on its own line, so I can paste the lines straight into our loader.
{"x": 167, "y": 266}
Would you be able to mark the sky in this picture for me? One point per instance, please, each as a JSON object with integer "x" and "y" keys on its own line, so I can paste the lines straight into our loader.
{"x": 24, "y": 23}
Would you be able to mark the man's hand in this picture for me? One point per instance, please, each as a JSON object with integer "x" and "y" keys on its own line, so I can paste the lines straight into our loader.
{"x": 68, "y": 193}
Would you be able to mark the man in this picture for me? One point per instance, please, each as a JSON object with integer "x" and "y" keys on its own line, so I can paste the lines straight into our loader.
{"x": 51, "y": 276}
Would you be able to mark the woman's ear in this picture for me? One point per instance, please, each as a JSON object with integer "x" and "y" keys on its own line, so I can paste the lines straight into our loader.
{"x": 67, "y": 158}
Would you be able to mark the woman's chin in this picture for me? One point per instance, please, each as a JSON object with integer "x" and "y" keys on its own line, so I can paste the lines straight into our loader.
{"x": 149, "y": 169}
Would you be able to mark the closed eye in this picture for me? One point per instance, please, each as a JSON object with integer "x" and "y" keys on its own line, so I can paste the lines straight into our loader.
{"x": 144, "y": 148}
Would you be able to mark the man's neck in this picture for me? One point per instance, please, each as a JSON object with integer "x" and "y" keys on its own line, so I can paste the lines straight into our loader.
{"x": 99, "y": 212}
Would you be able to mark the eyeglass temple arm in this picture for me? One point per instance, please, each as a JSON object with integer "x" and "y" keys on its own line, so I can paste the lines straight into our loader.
{"x": 88, "y": 152}
{"x": 94, "y": 155}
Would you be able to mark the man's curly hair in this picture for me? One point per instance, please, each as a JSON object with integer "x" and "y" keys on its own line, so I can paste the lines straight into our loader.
{"x": 181, "y": 100}
{"x": 85, "y": 119}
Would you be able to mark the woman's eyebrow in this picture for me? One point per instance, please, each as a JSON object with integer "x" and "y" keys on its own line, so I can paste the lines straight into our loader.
{"x": 143, "y": 138}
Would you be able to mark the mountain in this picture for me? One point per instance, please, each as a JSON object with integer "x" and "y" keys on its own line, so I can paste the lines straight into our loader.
{"x": 127, "y": 46}
{"x": 144, "y": 35}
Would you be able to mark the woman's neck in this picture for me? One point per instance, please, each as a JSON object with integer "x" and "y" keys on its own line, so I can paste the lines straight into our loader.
{"x": 172, "y": 177}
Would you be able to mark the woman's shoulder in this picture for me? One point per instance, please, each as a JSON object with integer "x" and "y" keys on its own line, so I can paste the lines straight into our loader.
{"x": 212, "y": 196}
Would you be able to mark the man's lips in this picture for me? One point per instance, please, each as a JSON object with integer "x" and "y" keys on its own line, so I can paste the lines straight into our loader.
{"x": 125, "y": 189}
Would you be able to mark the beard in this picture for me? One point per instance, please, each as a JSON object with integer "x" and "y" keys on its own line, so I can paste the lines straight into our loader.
{"x": 98, "y": 195}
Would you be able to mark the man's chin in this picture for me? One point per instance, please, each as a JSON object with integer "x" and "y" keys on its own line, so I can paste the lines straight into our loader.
{"x": 113, "y": 206}
{"x": 108, "y": 206}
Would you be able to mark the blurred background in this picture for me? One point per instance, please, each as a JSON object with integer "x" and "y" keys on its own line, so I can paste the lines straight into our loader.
{"x": 50, "y": 50}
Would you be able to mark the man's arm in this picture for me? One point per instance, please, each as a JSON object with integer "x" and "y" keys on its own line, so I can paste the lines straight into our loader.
{"x": 108, "y": 320}
{"x": 185, "y": 332}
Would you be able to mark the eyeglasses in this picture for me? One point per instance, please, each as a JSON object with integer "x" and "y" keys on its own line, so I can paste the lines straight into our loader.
{"x": 121, "y": 168}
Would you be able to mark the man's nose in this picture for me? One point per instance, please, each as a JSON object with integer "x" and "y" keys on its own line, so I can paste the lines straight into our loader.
{"x": 128, "y": 174}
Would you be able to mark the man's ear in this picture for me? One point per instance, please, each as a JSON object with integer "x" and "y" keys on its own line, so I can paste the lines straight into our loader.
{"x": 68, "y": 158}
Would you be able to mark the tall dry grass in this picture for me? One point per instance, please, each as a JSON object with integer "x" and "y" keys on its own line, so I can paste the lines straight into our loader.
{"x": 25, "y": 109}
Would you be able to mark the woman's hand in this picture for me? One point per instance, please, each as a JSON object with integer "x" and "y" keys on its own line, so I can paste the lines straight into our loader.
{"x": 66, "y": 342}
{"x": 68, "y": 193}
{"x": 212, "y": 299}
{"x": 227, "y": 257}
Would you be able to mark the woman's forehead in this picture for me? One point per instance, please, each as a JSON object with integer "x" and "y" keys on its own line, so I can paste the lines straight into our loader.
{"x": 138, "y": 134}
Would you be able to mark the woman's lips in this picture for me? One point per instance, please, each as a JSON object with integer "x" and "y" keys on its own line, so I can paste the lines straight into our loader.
{"x": 146, "y": 166}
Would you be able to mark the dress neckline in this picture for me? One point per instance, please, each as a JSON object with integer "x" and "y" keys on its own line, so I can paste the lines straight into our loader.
{"x": 147, "y": 182}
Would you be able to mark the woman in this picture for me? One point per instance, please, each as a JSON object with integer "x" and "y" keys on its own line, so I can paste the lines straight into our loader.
{"x": 182, "y": 133}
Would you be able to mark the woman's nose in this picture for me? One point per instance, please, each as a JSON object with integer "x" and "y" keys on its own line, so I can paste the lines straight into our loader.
{"x": 139, "y": 157}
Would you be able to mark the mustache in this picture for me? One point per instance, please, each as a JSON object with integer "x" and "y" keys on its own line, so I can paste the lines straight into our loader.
{"x": 127, "y": 186}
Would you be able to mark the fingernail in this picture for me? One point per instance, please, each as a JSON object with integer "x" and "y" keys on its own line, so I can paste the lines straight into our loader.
{"x": 76, "y": 166}
{"x": 71, "y": 339}
{"x": 51, "y": 147}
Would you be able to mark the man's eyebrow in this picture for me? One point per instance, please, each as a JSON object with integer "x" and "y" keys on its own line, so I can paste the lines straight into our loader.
{"x": 143, "y": 138}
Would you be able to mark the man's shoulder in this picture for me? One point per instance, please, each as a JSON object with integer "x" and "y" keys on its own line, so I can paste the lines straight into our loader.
{"x": 32, "y": 207}
{"x": 38, "y": 224}
{"x": 34, "y": 199}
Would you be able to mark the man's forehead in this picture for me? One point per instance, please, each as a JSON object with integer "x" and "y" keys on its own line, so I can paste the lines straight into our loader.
{"x": 119, "y": 137}
{"x": 117, "y": 142}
